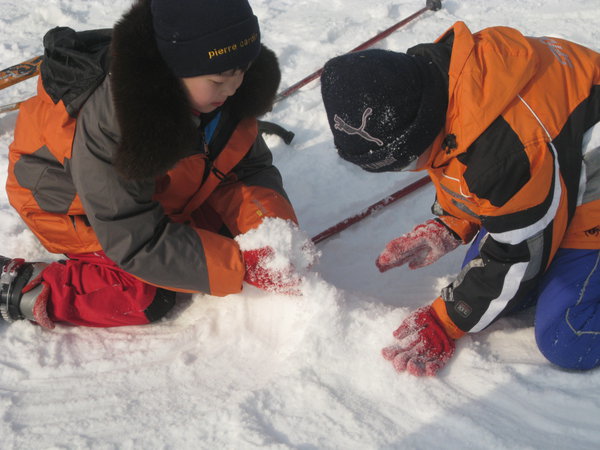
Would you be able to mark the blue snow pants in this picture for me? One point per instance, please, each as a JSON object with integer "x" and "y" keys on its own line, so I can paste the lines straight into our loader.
{"x": 567, "y": 316}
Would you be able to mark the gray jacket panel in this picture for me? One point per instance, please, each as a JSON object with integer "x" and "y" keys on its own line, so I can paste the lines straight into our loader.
{"x": 131, "y": 227}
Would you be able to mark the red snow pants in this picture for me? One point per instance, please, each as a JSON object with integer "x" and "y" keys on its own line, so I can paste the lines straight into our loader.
{"x": 91, "y": 290}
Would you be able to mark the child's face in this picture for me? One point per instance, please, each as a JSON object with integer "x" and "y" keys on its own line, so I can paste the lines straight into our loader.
{"x": 208, "y": 92}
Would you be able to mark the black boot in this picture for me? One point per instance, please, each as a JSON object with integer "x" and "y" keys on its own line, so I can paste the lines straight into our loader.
{"x": 14, "y": 275}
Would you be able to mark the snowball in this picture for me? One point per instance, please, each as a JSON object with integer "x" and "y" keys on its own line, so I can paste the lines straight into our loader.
{"x": 290, "y": 244}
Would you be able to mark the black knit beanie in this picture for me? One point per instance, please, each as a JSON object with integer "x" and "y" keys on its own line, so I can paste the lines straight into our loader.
{"x": 384, "y": 108}
{"x": 201, "y": 37}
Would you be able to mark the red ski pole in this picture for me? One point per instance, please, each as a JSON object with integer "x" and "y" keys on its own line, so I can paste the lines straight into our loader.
{"x": 370, "y": 210}
{"x": 430, "y": 5}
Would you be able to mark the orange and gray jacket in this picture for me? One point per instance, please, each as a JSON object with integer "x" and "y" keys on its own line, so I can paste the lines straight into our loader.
{"x": 108, "y": 156}
{"x": 519, "y": 156}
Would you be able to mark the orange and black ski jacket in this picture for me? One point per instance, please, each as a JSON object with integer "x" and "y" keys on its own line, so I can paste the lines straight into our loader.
{"x": 108, "y": 156}
{"x": 518, "y": 157}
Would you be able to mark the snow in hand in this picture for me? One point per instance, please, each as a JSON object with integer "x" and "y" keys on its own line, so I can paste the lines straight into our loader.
{"x": 265, "y": 370}
{"x": 290, "y": 244}
{"x": 280, "y": 256}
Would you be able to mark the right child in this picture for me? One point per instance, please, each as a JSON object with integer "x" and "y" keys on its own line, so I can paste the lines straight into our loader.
{"x": 508, "y": 128}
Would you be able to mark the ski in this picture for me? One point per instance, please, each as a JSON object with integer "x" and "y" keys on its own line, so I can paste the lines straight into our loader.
{"x": 17, "y": 73}
{"x": 9, "y": 107}
{"x": 20, "y": 72}
{"x": 369, "y": 211}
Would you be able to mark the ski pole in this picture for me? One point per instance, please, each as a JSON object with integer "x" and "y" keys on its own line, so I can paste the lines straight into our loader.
{"x": 375, "y": 207}
{"x": 430, "y": 5}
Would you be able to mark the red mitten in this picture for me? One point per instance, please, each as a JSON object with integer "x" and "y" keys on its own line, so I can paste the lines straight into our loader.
{"x": 424, "y": 347}
{"x": 424, "y": 245}
{"x": 259, "y": 274}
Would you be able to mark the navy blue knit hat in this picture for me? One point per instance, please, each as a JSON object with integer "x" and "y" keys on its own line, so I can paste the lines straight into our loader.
{"x": 384, "y": 108}
{"x": 201, "y": 37}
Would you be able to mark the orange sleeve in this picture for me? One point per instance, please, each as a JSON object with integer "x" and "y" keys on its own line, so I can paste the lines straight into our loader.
{"x": 224, "y": 266}
{"x": 223, "y": 262}
{"x": 439, "y": 307}
{"x": 243, "y": 207}
{"x": 464, "y": 229}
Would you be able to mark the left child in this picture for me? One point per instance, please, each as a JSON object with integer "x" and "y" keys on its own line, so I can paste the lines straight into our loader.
{"x": 140, "y": 160}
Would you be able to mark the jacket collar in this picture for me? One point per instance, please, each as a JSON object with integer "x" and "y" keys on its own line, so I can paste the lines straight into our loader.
{"x": 487, "y": 72}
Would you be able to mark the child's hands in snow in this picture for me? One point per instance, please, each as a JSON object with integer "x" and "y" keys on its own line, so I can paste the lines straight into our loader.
{"x": 277, "y": 255}
{"x": 423, "y": 347}
{"x": 424, "y": 245}
{"x": 259, "y": 273}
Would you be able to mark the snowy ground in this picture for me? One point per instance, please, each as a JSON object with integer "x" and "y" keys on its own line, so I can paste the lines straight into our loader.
{"x": 267, "y": 371}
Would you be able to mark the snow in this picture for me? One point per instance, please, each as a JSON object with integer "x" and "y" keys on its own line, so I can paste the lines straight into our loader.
{"x": 258, "y": 370}
{"x": 289, "y": 245}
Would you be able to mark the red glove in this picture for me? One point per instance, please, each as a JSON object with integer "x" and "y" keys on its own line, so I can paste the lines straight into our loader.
{"x": 424, "y": 346}
{"x": 424, "y": 245}
{"x": 258, "y": 273}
